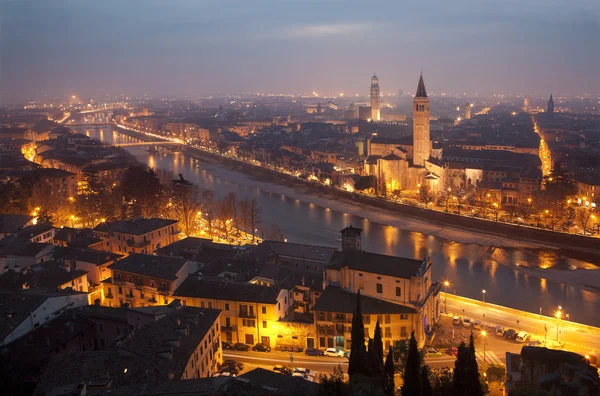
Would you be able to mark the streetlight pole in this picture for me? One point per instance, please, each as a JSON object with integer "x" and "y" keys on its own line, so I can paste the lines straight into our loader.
{"x": 483, "y": 334}
{"x": 483, "y": 295}
{"x": 558, "y": 315}
{"x": 446, "y": 284}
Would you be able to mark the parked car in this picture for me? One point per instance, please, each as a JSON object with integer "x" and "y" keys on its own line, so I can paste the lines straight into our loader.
{"x": 510, "y": 334}
{"x": 453, "y": 351}
{"x": 301, "y": 372}
{"x": 466, "y": 321}
{"x": 313, "y": 352}
{"x": 332, "y": 352}
{"x": 477, "y": 324}
{"x": 500, "y": 331}
{"x": 535, "y": 343}
{"x": 226, "y": 345}
{"x": 238, "y": 346}
{"x": 261, "y": 348}
{"x": 432, "y": 352}
{"x": 523, "y": 336}
{"x": 456, "y": 320}
{"x": 232, "y": 363}
{"x": 283, "y": 369}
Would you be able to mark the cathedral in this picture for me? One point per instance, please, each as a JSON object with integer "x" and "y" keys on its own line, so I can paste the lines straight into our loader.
{"x": 406, "y": 163}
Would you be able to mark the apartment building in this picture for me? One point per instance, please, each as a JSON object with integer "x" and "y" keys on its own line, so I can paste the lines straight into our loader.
{"x": 137, "y": 235}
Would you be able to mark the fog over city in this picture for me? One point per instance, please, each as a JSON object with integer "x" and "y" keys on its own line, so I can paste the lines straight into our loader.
{"x": 185, "y": 47}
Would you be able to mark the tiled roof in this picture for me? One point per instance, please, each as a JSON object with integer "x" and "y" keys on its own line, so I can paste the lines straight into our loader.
{"x": 296, "y": 250}
{"x": 399, "y": 267}
{"x": 156, "y": 336}
{"x": 335, "y": 299}
{"x": 91, "y": 256}
{"x": 139, "y": 226}
{"x": 222, "y": 289}
{"x": 15, "y": 308}
{"x": 49, "y": 275}
{"x": 162, "y": 267}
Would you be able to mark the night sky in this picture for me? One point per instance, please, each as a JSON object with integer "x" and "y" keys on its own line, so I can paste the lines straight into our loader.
{"x": 202, "y": 47}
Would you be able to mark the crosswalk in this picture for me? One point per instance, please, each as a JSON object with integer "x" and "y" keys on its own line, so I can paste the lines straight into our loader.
{"x": 490, "y": 358}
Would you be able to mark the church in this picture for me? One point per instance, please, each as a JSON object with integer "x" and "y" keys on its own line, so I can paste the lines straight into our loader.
{"x": 409, "y": 162}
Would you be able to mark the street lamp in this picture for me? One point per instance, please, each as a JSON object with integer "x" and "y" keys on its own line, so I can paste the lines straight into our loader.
{"x": 483, "y": 295}
{"x": 558, "y": 314}
{"x": 446, "y": 285}
{"x": 483, "y": 334}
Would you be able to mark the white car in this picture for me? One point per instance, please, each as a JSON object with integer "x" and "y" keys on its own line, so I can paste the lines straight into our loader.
{"x": 333, "y": 352}
{"x": 523, "y": 336}
{"x": 301, "y": 370}
{"x": 466, "y": 321}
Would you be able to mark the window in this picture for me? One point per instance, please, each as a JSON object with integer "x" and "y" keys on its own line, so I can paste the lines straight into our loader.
{"x": 322, "y": 342}
{"x": 118, "y": 276}
{"x": 366, "y": 319}
{"x": 264, "y": 310}
{"x": 152, "y": 284}
{"x": 128, "y": 278}
{"x": 210, "y": 304}
{"x": 379, "y": 288}
{"x": 388, "y": 319}
{"x": 264, "y": 324}
{"x": 398, "y": 291}
{"x": 403, "y": 332}
{"x": 101, "y": 327}
{"x": 163, "y": 285}
{"x": 226, "y": 306}
{"x": 120, "y": 290}
{"x": 387, "y": 332}
{"x": 403, "y": 317}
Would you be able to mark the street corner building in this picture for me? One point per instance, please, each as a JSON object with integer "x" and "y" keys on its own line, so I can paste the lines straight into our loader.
{"x": 396, "y": 291}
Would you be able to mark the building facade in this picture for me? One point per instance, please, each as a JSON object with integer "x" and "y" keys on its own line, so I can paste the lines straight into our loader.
{"x": 375, "y": 99}
{"x": 137, "y": 235}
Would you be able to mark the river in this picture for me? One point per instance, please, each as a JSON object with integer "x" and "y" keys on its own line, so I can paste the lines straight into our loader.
{"x": 469, "y": 267}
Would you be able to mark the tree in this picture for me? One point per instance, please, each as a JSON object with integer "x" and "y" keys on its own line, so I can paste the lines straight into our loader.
{"x": 389, "y": 370}
{"x": 426, "y": 388}
{"x": 274, "y": 233}
{"x": 412, "y": 371}
{"x": 334, "y": 384}
{"x": 378, "y": 347}
{"x": 466, "y": 379}
{"x": 142, "y": 190}
{"x": 441, "y": 381}
{"x": 357, "y": 364}
{"x": 185, "y": 204}
{"x": 584, "y": 215}
{"x": 253, "y": 216}
{"x": 375, "y": 364}
{"x": 425, "y": 195}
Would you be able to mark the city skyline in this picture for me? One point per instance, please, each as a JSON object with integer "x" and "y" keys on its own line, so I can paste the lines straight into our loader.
{"x": 202, "y": 48}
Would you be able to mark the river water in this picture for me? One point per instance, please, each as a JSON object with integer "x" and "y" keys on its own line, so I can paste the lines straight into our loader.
{"x": 469, "y": 267}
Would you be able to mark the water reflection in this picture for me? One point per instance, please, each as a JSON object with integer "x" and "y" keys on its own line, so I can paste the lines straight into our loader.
{"x": 469, "y": 267}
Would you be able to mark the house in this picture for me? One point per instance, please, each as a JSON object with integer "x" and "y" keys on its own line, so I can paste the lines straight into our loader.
{"x": 250, "y": 313}
{"x": 39, "y": 233}
{"x": 137, "y": 235}
{"x": 142, "y": 279}
{"x": 17, "y": 254}
{"x": 402, "y": 282}
{"x": 12, "y": 223}
{"x": 50, "y": 275}
{"x": 295, "y": 255}
{"x": 183, "y": 344}
{"x": 26, "y": 310}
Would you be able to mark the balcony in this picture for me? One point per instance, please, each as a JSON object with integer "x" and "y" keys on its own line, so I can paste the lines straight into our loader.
{"x": 138, "y": 245}
{"x": 246, "y": 314}
{"x": 229, "y": 328}
{"x": 109, "y": 295}
{"x": 139, "y": 286}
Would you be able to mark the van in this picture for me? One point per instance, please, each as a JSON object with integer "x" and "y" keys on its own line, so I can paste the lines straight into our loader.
{"x": 523, "y": 336}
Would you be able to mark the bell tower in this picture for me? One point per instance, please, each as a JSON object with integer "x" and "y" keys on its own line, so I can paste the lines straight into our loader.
{"x": 351, "y": 239}
{"x": 375, "y": 104}
{"x": 421, "y": 134}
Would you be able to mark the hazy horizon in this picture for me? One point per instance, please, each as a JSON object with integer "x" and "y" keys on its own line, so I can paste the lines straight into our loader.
{"x": 203, "y": 47}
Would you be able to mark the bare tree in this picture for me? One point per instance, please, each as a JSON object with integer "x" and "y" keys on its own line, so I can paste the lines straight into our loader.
{"x": 584, "y": 215}
{"x": 253, "y": 216}
{"x": 185, "y": 205}
{"x": 244, "y": 214}
{"x": 274, "y": 233}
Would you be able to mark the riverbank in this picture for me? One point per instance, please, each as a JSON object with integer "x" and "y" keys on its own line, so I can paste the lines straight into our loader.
{"x": 448, "y": 226}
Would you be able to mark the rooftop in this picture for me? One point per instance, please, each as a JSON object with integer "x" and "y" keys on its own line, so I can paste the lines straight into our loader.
{"x": 399, "y": 267}
{"x": 10, "y": 223}
{"x": 335, "y": 299}
{"x": 139, "y": 226}
{"x": 91, "y": 256}
{"x": 49, "y": 275}
{"x": 295, "y": 250}
{"x": 34, "y": 230}
{"x": 223, "y": 289}
{"x": 162, "y": 267}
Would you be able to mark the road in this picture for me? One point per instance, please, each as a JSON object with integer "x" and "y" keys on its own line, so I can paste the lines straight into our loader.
{"x": 577, "y": 338}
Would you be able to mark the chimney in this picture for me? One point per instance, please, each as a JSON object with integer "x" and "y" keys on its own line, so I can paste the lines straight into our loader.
{"x": 351, "y": 238}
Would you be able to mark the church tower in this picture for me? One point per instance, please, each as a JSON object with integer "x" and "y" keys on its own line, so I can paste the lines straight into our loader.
{"x": 468, "y": 111}
{"x": 421, "y": 137}
{"x": 551, "y": 105}
{"x": 375, "y": 112}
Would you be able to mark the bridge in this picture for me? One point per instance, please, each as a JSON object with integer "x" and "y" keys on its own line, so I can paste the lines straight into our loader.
{"x": 91, "y": 124}
{"x": 160, "y": 143}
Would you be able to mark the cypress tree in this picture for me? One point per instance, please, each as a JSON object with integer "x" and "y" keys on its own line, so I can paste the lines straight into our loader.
{"x": 378, "y": 345}
{"x": 358, "y": 362}
{"x": 389, "y": 371}
{"x": 412, "y": 371}
{"x": 473, "y": 380}
{"x": 460, "y": 366}
{"x": 374, "y": 362}
{"x": 426, "y": 388}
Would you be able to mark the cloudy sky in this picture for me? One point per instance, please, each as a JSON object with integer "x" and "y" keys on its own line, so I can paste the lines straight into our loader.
{"x": 200, "y": 47}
